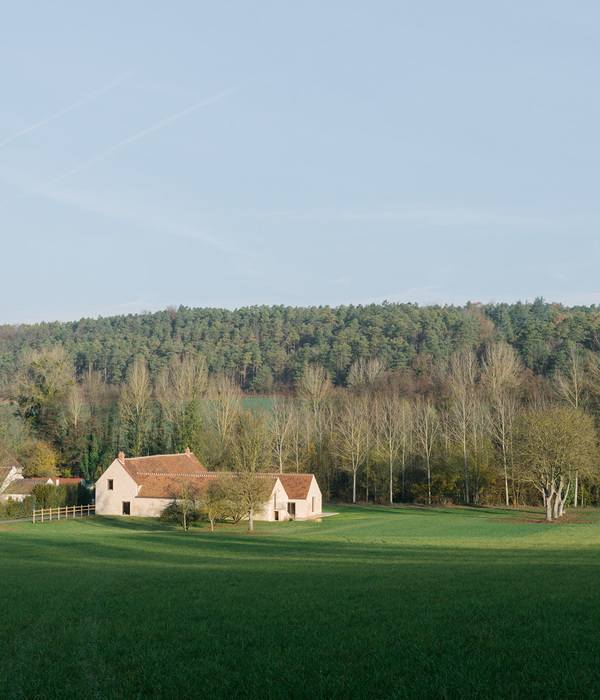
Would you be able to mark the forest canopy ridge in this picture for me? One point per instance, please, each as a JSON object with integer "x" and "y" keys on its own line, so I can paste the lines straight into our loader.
{"x": 268, "y": 346}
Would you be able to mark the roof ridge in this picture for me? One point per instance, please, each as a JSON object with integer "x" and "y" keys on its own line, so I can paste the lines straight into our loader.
{"x": 171, "y": 474}
{"x": 175, "y": 454}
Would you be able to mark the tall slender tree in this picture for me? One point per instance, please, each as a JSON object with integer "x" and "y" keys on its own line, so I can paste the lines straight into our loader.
{"x": 353, "y": 435}
{"x": 135, "y": 403}
{"x": 427, "y": 430}
{"x": 501, "y": 374}
{"x": 463, "y": 375}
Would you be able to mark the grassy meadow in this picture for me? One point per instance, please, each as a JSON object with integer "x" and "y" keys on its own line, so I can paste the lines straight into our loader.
{"x": 371, "y": 603}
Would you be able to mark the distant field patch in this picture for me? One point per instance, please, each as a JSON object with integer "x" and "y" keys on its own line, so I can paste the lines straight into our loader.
{"x": 372, "y": 603}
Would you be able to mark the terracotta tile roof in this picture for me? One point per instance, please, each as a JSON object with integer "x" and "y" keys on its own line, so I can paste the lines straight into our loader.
{"x": 7, "y": 463}
{"x": 296, "y": 485}
{"x": 4, "y": 472}
{"x": 7, "y": 460}
{"x": 165, "y": 486}
{"x": 168, "y": 465}
{"x": 22, "y": 487}
{"x": 168, "y": 485}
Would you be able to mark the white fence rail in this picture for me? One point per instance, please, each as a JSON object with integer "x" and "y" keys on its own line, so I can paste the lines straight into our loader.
{"x": 38, "y": 515}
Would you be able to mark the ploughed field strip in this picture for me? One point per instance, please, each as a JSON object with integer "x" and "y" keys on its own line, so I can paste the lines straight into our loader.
{"x": 374, "y": 602}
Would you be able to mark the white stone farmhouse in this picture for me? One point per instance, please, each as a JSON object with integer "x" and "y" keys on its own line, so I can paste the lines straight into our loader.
{"x": 144, "y": 486}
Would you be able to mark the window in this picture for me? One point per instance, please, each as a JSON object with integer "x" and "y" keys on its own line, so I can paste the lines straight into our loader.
{"x": 292, "y": 508}
{"x": 110, "y": 485}
{"x": 126, "y": 510}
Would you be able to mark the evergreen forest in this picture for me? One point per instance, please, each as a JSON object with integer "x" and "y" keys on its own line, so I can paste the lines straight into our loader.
{"x": 384, "y": 402}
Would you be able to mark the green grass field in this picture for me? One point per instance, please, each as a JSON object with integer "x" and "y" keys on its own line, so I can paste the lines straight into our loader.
{"x": 372, "y": 603}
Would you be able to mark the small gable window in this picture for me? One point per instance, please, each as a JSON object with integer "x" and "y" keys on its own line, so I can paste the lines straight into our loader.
{"x": 110, "y": 485}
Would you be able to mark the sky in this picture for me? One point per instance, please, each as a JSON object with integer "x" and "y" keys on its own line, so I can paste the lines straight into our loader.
{"x": 243, "y": 153}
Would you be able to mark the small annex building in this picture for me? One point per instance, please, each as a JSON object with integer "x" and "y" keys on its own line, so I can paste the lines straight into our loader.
{"x": 144, "y": 486}
{"x": 10, "y": 472}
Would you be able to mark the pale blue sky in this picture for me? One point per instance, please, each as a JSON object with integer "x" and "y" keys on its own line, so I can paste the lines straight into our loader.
{"x": 238, "y": 153}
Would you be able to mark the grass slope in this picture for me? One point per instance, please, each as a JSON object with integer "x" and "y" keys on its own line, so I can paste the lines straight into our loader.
{"x": 375, "y": 602}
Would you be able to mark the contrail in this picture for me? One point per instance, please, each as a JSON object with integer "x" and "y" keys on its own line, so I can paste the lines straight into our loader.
{"x": 83, "y": 101}
{"x": 150, "y": 130}
{"x": 113, "y": 149}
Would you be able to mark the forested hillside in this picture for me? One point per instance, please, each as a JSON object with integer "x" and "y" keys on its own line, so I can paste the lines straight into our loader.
{"x": 263, "y": 345}
{"x": 383, "y": 402}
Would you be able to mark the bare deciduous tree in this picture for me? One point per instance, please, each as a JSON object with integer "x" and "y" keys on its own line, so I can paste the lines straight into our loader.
{"x": 552, "y": 444}
{"x": 282, "y": 427}
{"x": 184, "y": 507}
{"x": 179, "y": 389}
{"x": 214, "y": 502}
{"x": 224, "y": 407}
{"x": 501, "y": 372}
{"x": 464, "y": 371}
{"x": 570, "y": 383}
{"x": 364, "y": 372}
{"x": 252, "y": 458}
{"x": 315, "y": 387}
{"x": 389, "y": 415}
{"x": 134, "y": 405}
{"x": 427, "y": 429}
{"x": 572, "y": 386}
{"x": 353, "y": 435}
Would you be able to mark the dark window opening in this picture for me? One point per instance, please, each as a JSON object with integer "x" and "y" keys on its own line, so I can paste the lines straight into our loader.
{"x": 292, "y": 508}
{"x": 110, "y": 485}
{"x": 126, "y": 508}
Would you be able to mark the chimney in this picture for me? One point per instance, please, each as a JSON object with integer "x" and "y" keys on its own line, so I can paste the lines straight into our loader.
{"x": 187, "y": 451}
{"x": 122, "y": 458}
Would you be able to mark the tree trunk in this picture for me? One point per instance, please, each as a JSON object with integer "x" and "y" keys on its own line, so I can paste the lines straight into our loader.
{"x": 466, "y": 473}
{"x": 505, "y": 474}
{"x": 557, "y": 498}
{"x": 354, "y": 486}
{"x": 576, "y": 489}
{"x": 563, "y": 500}
{"x": 428, "y": 481}
{"x": 251, "y": 520}
{"x": 548, "y": 493}
{"x": 391, "y": 481}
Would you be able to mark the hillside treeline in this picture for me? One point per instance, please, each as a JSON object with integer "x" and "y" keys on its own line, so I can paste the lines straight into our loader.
{"x": 266, "y": 349}
{"x": 478, "y": 427}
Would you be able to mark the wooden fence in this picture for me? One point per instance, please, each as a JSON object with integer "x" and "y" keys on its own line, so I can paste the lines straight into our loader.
{"x": 58, "y": 513}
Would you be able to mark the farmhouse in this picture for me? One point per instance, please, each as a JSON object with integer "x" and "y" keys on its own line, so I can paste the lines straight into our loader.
{"x": 144, "y": 486}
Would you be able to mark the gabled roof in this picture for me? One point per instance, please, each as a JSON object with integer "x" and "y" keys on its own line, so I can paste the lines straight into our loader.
{"x": 4, "y": 472}
{"x": 7, "y": 460}
{"x": 296, "y": 485}
{"x": 166, "y": 486}
{"x": 163, "y": 485}
{"x": 23, "y": 487}
{"x": 7, "y": 464}
{"x": 179, "y": 465}
{"x": 169, "y": 486}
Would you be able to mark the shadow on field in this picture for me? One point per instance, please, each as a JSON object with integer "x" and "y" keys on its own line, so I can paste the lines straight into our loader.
{"x": 363, "y": 605}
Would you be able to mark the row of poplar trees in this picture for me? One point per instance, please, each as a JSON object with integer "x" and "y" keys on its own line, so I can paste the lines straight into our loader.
{"x": 479, "y": 429}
